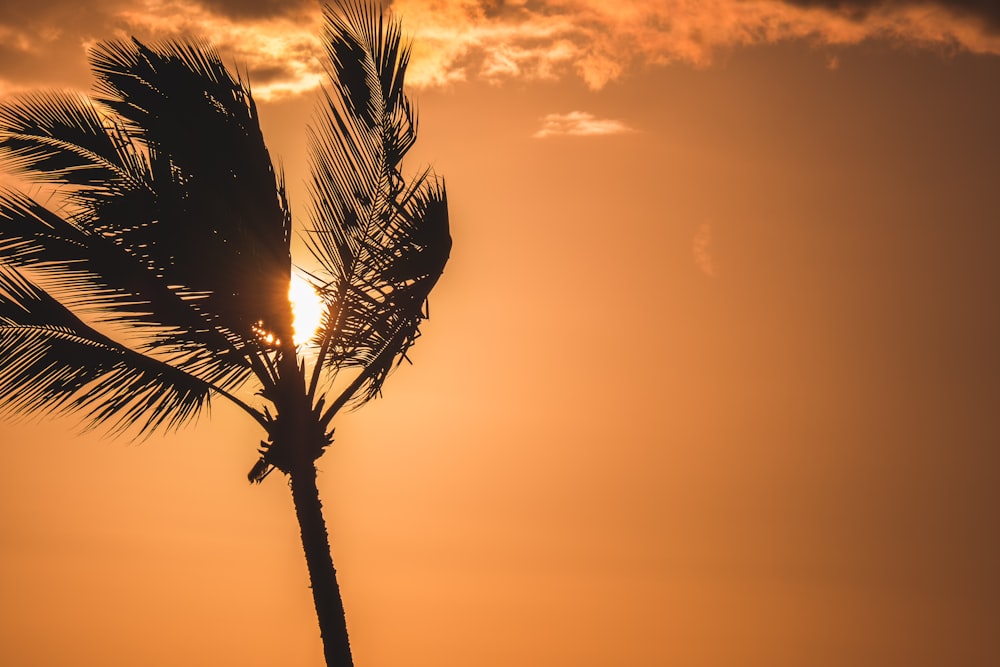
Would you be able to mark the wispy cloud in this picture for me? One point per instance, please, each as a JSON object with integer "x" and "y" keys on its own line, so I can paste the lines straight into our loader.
{"x": 702, "y": 249}
{"x": 579, "y": 123}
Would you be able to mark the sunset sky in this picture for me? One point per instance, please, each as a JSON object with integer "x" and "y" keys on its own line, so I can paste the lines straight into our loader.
{"x": 712, "y": 378}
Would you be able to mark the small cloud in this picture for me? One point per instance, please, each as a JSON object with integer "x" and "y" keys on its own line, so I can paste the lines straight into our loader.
{"x": 579, "y": 123}
{"x": 702, "y": 248}
{"x": 832, "y": 63}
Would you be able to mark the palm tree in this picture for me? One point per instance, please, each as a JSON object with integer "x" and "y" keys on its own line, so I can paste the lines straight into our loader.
{"x": 159, "y": 280}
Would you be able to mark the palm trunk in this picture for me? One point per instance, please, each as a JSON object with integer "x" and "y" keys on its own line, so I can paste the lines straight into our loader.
{"x": 322, "y": 575}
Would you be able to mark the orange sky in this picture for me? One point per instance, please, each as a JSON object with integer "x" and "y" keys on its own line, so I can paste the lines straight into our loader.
{"x": 712, "y": 377}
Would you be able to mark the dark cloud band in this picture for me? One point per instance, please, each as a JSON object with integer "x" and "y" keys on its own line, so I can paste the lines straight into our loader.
{"x": 987, "y": 10}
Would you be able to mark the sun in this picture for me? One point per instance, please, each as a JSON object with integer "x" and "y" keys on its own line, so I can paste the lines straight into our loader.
{"x": 307, "y": 309}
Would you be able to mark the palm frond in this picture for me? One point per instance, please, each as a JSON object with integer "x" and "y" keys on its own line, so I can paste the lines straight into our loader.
{"x": 382, "y": 242}
{"x": 51, "y": 361}
{"x": 221, "y": 225}
{"x": 62, "y": 137}
{"x": 176, "y": 218}
{"x": 95, "y": 272}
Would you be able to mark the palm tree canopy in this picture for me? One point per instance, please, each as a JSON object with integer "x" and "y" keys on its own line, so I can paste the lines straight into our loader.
{"x": 172, "y": 225}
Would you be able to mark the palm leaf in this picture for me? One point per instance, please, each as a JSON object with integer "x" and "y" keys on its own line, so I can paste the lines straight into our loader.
{"x": 51, "y": 361}
{"x": 62, "y": 137}
{"x": 93, "y": 272}
{"x": 382, "y": 242}
{"x": 221, "y": 225}
{"x": 175, "y": 218}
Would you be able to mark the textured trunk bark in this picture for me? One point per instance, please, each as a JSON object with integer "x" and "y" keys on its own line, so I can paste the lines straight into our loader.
{"x": 322, "y": 575}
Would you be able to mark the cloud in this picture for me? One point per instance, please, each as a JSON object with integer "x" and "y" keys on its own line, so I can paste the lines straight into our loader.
{"x": 600, "y": 41}
{"x": 702, "y": 249}
{"x": 986, "y": 10}
{"x": 276, "y": 40}
{"x": 44, "y": 42}
{"x": 579, "y": 123}
{"x": 281, "y": 49}
{"x": 258, "y": 8}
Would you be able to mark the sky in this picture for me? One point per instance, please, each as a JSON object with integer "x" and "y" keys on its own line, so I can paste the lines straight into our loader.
{"x": 711, "y": 378}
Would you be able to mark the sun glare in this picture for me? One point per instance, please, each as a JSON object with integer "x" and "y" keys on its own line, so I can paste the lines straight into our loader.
{"x": 307, "y": 309}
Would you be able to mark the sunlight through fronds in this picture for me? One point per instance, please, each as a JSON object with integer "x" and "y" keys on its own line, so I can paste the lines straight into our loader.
{"x": 307, "y": 309}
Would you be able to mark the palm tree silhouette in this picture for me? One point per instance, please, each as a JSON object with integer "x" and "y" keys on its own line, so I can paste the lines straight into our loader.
{"x": 160, "y": 278}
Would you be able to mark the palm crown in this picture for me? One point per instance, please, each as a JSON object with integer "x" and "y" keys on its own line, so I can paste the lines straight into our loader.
{"x": 160, "y": 278}
{"x": 174, "y": 224}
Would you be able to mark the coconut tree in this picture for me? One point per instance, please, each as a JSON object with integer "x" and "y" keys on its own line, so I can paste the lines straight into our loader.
{"x": 155, "y": 277}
